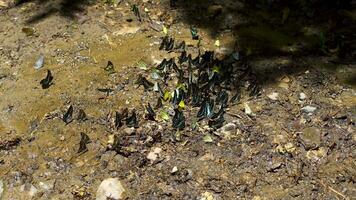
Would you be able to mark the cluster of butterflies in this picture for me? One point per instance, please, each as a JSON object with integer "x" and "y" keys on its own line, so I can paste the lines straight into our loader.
{"x": 203, "y": 81}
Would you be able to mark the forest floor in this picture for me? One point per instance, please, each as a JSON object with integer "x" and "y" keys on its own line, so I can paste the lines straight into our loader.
{"x": 294, "y": 139}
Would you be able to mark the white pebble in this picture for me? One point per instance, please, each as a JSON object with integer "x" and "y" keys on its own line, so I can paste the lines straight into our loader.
{"x": 110, "y": 188}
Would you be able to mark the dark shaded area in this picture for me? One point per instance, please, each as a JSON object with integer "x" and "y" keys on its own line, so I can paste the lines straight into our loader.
{"x": 297, "y": 30}
{"x": 46, "y": 8}
{"x": 274, "y": 28}
{"x": 311, "y": 26}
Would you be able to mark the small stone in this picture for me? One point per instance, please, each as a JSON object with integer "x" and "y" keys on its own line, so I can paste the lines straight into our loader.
{"x": 248, "y": 110}
{"x": 111, "y": 139}
{"x": 110, "y": 188}
{"x": 283, "y": 85}
{"x": 1, "y": 188}
{"x": 3, "y": 4}
{"x": 310, "y": 137}
{"x": 302, "y": 96}
{"x": 308, "y": 109}
{"x": 208, "y": 139}
{"x": 207, "y": 196}
{"x": 285, "y": 79}
{"x": 316, "y": 155}
{"x": 29, "y": 188}
{"x": 39, "y": 63}
{"x": 273, "y": 96}
{"x": 174, "y": 170}
{"x": 47, "y": 185}
{"x": 33, "y": 191}
{"x": 289, "y": 147}
{"x": 223, "y": 52}
{"x": 129, "y": 131}
{"x": 236, "y": 56}
{"x": 249, "y": 179}
{"x": 279, "y": 139}
{"x": 157, "y": 26}
{"x": 275, "y": 165}
{"x": 127, "y": 30}
{"x": 227, "y": 131}
{"x": 257, "y": 198}
{"x": 154, "y": 154}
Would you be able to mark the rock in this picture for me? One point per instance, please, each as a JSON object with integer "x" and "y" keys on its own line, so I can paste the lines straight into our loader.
{"x": 279, "y": 139}
{"x": 310, "y": 137}
{"x": 283, "y": 85}
{"x": 308, "y": 109}
{"x": 249, "y": 179}
{"x": 285, "y": 79}
{"x": 129, "y": 131}
{"x": 302, "y": 96}
{"x": 289, "y": 147}
{"x": 39, "y": 63}
{"x": 223, "y": 52}
{"x": 154, "y": 154}
{"x": 208, "y": 139}
{"x": 257, "y": 198}
{"x": 29, "y": 31}
{"x": 227, "y": 130}
{"x": 33, "y": 191}
{"x": 4, "y": 4}
{"x": 274, "y": 166}
{"x": 157, "y": 26}
{"x": 29, "y": 188}
{"x": 207, "y": 196}
{"x": 47, "y": 185}
{"x": 273, "y": 96}
{"x": 316, "y": 155}
{"x": 284, "y": 82}
{"x": 174, "y": 170}
{"x": 248, "y": 110}
{"x": 127, "y": 30}
{"x": 110, "y": 188}
{"x": 1, "y": 188}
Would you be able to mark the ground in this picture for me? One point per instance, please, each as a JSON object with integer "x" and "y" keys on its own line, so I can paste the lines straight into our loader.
{"x": 297, "y": 141}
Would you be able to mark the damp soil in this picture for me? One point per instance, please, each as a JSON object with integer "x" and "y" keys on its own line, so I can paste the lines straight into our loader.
{"x": 276, "y": 151}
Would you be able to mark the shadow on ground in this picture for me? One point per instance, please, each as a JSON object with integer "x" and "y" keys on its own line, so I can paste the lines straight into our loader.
{"x": 46, "y": 8}
{"x": 271, "y": 29}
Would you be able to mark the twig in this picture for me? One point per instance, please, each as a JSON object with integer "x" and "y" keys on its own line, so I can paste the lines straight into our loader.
{"x": 234, "y": 115}
{"x": 335, "y": 191}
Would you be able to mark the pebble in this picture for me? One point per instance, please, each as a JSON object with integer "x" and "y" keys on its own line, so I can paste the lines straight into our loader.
{"x": 308, "y": 109}
{"x": 127, "y": 30}
{"x": 207, "y": 196}
{"x": 316, "y": 155}
{"x": 110, "y": 188}
{"x": 227, "y": 130}
{"x": 248, "y": 179}
{"x": 47, "y": 185}
{"x": 302, "y": 96}
{"x": 310, "y": 137}
{"x": 273, "y": 96}
{"x": 40, "y": 62}
{"x": 1, "y": 188}
{"x": 236, "y": 56}
{"x": 248, "y": 110}
{"x": 129, "y": 131}
{"x": 174, "y": 170}
{"x": 157, "y": 26}
{"x": 3, "y": 4}
{"x": 154, "y": 154}
{"x": 31, "y": 190}
{"x": 222, "y": 52}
